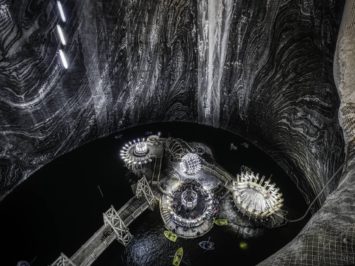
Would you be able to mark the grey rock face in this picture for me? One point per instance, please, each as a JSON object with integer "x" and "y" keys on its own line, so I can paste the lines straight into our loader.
{"x": 259, "y": 68}
{"x": 262, "y": 69}
{"x": 329, "y": 237}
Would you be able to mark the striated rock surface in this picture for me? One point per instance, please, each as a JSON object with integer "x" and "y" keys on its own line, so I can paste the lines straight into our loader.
{"x": 329, "y": 237}
{"x": 262, "y": 69}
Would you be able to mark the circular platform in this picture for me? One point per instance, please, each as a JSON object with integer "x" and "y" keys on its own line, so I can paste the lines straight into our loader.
{"x": 256, "y": 197}
{"x": 139, "y": 152}
{"x": 188, "y": 210}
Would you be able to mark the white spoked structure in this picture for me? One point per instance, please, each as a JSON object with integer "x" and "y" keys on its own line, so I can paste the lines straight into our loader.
{"x": 256, "y": 197}
{"x": 136, "y": 153}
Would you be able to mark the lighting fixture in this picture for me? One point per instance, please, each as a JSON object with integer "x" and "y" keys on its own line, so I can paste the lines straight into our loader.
{"x": 63, "y": 59}
{"x": 61, "y": 11}
{"x": 61, "y": 35}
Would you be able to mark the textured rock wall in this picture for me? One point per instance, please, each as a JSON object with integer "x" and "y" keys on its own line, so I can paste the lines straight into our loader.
{"x": 262, "y": 69}
{"x": 344, "y": 65}
{"x": 270, "y": 69}
{"x": 329, "y": 237}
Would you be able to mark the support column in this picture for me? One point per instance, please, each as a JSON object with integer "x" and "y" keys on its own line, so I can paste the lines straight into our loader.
{"x": 62, "y": 261}
{"x": 143, "y": 189}
{"x": 112, "y": 218}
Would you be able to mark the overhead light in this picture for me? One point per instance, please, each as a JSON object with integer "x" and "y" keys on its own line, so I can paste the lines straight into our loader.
{"x": 64, "y": 59}
{"x": 61, "y": 11}
{"x": 61, "y": 35}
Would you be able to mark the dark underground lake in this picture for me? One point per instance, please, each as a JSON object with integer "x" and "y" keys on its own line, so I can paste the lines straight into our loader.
{"x": 61, "y": 206}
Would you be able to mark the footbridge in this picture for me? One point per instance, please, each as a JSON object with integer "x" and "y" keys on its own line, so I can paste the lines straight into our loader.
{"x": 115, "y": 228}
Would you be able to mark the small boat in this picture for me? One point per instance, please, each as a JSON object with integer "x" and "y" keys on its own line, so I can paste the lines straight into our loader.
{"x": 170, "y": 235}
{"x": 220, "y": 221}
{"x": 233, "y": 147}
{"x": 178, "y": 256}
{"x": 243, "y": 245}
{"x": 245, "y": 145}
{"x": 207, "y": 245}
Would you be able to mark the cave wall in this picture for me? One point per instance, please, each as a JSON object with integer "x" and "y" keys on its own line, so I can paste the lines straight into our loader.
{"x": 262, "y": 69}
{"x": 329, "y": 237}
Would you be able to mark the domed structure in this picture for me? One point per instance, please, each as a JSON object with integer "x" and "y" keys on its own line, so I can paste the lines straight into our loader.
{"x": 136, "y": 153}
{"x": 189, "y": 199}
{"x": 191, "y": 163}
{"x": 256, "y": 197}
{"x": 188, "y": 210}
{"x": 279, "y": 73}
{"x": 141, "y": 149}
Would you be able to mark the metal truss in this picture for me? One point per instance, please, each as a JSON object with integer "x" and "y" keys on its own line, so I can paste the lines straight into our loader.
{"x": 143, "y": 189}
{"x": 62, "y": 261}
{"x": 112, "y": 218}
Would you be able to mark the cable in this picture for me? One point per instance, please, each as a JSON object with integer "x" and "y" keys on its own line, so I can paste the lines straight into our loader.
{"x": 285, "y": 220}
{"x": 318, "y": 195}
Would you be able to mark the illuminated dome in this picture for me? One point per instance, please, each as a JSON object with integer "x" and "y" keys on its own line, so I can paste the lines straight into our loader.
{"x": 136, "y": 153}
{"x": 256, "y": 197}
{"x": 141, "y": 148}
{"x": 191, "y": 163}
{"x": 189, "y": 199}
{"x": 188, "y": 210}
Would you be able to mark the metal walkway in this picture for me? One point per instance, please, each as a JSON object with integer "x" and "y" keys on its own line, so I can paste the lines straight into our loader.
{"x": 103, "y": 237}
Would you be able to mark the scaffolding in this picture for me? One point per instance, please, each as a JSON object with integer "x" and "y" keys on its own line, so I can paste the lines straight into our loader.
{"x": 113, "y": 219}
{"x": 143, "y": 189}
{"x": 63, "y": 260}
